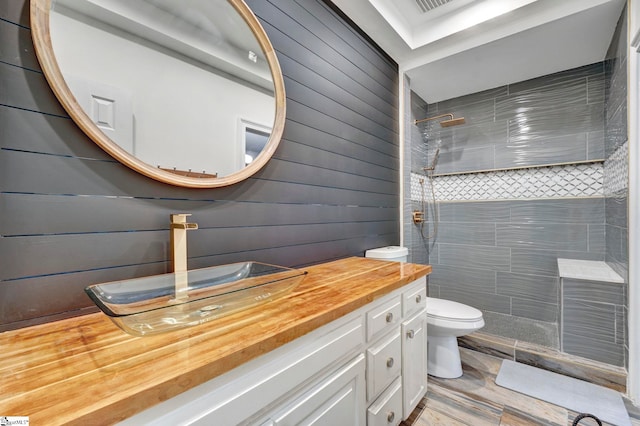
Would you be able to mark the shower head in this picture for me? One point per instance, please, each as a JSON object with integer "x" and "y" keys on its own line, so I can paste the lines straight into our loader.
{"x": 452, "y": 122}
{"x": 434, "y": 161}
{"x": 444, "y": 123}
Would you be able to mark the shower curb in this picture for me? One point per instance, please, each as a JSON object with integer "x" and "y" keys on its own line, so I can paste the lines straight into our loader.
{"x": 548, "y": 359}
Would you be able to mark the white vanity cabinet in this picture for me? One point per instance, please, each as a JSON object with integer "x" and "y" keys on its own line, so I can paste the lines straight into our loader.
{"x": 367, "y": 367}
{"x": 396, "y": 355}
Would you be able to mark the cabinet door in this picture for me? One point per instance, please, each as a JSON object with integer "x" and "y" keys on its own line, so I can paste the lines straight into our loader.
{"x": 337, "y": 400}
{"x": 414, "y": 362}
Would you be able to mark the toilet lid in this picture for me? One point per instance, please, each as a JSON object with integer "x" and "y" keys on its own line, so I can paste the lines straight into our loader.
{"x": 448, "y": 309}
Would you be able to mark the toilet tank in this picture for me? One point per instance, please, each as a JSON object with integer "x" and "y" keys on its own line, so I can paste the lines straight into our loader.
{"x": 391, "y": 253}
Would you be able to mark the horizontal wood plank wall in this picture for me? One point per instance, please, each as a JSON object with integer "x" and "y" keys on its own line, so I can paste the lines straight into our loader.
{"x": 72, "y": 216}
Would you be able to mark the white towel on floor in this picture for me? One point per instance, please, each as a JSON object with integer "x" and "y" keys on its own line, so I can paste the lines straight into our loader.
{"x": 574, "y": 394}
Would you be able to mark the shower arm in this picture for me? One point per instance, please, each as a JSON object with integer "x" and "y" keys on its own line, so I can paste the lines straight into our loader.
{"x": 444, "y": 123}
{"x": 450, "y": 115}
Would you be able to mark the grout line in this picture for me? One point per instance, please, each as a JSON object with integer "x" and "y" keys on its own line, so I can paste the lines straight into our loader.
{"x": 514, "y": 168}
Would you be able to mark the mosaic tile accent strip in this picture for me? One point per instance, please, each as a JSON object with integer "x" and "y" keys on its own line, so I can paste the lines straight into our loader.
{"x": 616, "y": 170}
{"x": 582, "y": 180}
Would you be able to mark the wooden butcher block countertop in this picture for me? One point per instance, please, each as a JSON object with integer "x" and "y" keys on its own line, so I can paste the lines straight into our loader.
{"x": 85, "y": 370}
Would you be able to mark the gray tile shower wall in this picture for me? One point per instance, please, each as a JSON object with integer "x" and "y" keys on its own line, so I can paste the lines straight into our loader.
{"x": 499, "y": 252}
{"x": 593, "y": 324}
{"x": 616, "y": 88}
{"x": 506, "y": 262}
{"x": 72, "y": 216}
{"x": 553, "y": 119}
{"x": 616, "y": 164}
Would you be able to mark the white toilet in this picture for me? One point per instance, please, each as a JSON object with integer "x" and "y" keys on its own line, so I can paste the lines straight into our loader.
{"x": 391, "y": 253}
{"x": 446, "y": 321}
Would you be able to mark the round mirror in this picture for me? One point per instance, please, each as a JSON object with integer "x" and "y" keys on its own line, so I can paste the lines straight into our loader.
{"x": 187, "y": 92}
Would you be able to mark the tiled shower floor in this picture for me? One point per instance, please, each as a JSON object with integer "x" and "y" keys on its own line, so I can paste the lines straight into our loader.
{"x": 475, "y": 399}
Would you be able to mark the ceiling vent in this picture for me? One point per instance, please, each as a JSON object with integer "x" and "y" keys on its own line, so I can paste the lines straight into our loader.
{"x": 427, "y": 5}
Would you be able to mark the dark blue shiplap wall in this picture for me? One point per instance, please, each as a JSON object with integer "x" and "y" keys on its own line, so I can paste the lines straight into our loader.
{"x": 71, "y": 216}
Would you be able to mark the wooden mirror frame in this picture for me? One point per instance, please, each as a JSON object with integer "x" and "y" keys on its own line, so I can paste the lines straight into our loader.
{"x": 41, "y": 35}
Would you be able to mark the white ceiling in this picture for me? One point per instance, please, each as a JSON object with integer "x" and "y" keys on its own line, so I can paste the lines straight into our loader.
{"x": 210, "y": 32}
{"x": 466, "y": 46}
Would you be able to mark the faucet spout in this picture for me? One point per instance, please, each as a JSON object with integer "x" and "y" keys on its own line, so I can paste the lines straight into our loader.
{"x": 187, "y": 226}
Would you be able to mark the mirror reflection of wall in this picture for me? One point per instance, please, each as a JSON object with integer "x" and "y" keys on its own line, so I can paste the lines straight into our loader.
{"x": 251, "y": 140}
{"x": 254, "y": 140}
{"x": 182, "y": 112}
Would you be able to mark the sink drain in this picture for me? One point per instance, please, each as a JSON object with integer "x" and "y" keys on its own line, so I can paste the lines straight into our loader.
{"x": 206, "y": 310}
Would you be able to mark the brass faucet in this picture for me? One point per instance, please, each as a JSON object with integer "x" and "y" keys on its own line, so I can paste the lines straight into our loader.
{"x": 179, "y": 228}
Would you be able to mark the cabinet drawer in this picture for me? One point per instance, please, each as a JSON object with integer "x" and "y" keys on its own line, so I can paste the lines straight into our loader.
{"x": 383, "y": 317}
{"x": 415, "y": 298}
{"x": 384, "y": 363}
{"x": 387, "y": 410}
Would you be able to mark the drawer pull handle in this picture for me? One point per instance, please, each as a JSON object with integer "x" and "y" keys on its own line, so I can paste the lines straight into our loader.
{"x": 391, "y": 417}
{"x": 389, "y": 362}
{"x": 389, "y": 317}
{"x": 411, "y": 334}
{"x": 419, "y": 298}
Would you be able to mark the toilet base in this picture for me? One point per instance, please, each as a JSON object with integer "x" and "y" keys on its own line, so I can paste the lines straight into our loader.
{"x": 443, "y": 357}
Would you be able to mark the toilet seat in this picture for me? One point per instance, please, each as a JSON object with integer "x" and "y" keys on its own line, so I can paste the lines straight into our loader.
{"x": 448, "y": 310}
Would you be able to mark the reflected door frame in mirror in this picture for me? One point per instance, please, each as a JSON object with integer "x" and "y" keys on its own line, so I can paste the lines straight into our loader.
{"x": 41, "y": 34}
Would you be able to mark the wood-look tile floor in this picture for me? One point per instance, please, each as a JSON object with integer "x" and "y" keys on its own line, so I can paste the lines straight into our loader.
{"x": 475, "y": 399}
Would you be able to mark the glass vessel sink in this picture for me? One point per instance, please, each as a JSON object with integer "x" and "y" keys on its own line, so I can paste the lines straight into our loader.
{"x": 160, "y": 303}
